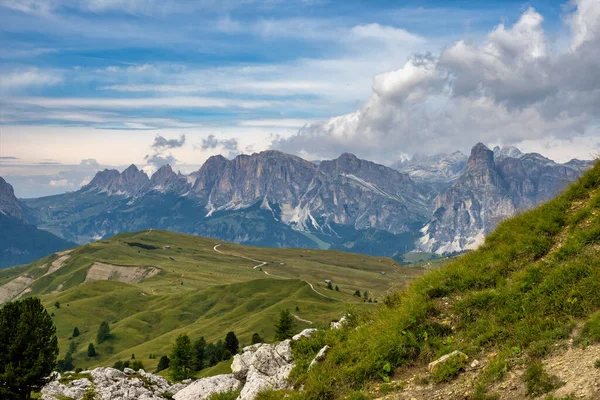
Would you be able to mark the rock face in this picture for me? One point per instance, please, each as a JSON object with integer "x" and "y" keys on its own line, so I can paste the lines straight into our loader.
{"x": 203, "y": 388}
{"x": 494, "y": 186}
{"x": 9, "y": 205}
{"x": 263, "y": 366}
{"x": 112, "y": 384}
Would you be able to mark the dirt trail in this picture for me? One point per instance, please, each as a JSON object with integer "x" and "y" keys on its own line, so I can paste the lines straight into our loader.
{"x": 263, "y": 263}
{"x": 302, "y": 319}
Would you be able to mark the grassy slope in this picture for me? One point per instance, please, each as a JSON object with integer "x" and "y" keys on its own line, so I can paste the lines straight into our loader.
{"x": 535, "y": 278}
{"x": 198, "y": 291}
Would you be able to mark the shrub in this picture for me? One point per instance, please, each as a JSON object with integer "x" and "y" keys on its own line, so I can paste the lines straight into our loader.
{"x": 449, "y": 369}
{"x": 538, "y": 381}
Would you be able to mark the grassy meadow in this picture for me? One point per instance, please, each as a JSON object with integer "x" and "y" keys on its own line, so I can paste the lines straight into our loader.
{"x": 198, "y": 290}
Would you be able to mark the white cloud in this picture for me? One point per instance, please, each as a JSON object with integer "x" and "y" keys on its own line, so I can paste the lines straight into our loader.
{"x": 59, "y": 183}
{"x": 147, "y": 102}
{"x": 510, "y": 88}
{"x": 28, "y": 77}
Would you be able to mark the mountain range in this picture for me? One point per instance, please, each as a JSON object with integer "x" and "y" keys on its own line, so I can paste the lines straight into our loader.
{"x": 440, "y": 204}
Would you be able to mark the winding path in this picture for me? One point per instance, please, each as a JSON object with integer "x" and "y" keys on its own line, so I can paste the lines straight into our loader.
{"x": 302, "y": 319}
{"x": 263, "y": 263}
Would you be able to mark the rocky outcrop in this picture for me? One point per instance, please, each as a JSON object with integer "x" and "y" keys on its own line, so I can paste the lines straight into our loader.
{"x": 263, "y": 366}
{"x": 204, "y": 388}
{"x": 110, "y": 384}
{"x": 257, "y": 368}
{"x": 9, "y": 205}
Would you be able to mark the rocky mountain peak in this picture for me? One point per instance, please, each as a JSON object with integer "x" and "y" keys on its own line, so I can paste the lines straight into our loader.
{"x": 481, "y": 157}
{"x": 9, "y": 204}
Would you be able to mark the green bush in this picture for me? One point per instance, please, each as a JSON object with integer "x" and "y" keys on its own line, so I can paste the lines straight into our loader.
{"x": 230, "y": 395}
{"x": 449, "y": 369}
{"x": 538, "y": 381}
{"x": 591, "y": 328}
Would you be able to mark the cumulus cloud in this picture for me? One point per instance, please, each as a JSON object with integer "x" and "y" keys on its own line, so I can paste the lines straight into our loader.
{"x": 90, "y": 163}
{"x": 161, "y": 143}
{"x": 512, "y": 87}
{"x": 161, "y": 155}
{"x": 229, "y": 146}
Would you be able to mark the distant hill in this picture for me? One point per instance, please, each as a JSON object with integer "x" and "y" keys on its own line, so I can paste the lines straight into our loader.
{"x": 152, "y": 285}
{"x": 21, "y": 242}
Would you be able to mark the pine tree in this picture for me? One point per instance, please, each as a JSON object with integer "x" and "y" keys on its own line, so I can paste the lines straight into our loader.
{"x": 163, "y": 363}
{"x": 257, "y": 339}
{"x": 329, "y": 285}
{"x": 28, "y": 348}
{"x": 337, "y": 288}
{"x": 103, "y": 333}
{"x": 199, "y": 356}
{"x": 72, "y": 347}
{"x": 232, "y": 343}
{"x": 57, "y": 304}
{"x": 75, "y": 332}
{"x": 91, "y": 350}
{"x": 366, "y": 295}
{"x": 357, "y": 293}
{"x": 181, "y": 358}
{"x": 284, "y": 329}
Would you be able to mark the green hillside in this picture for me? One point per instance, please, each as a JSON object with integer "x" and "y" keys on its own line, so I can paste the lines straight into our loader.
{"x": 533, "y": 285}
{"x": 153, "y": 285}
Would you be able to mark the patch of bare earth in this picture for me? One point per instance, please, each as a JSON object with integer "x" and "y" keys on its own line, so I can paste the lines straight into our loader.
{"x": 127, "y": 274}
{"x": 59, "y": 262}
{"x": 14, "y": 288}
{"x": 573, "y": 365}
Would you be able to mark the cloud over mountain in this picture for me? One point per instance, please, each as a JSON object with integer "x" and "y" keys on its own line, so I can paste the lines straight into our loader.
{"x": 513, "y": 86}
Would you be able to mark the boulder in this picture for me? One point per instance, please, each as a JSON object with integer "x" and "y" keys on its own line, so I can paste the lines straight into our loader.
{"x": 305, "y": 333}
{"x": 434, "y": 364}
{"x": 339, "y": 324}
{"x": 319, "y": 357}
{"x": 206, "y": 387}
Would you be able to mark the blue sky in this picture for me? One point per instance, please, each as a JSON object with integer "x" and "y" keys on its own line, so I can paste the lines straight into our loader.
{"x": 100, "y": 79}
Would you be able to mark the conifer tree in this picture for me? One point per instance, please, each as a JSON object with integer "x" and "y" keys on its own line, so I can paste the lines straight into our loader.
{"x": 181, "y": 358}
{"x": 103, "y": 333}
{"x": 284, "y": 329}
{"x": 28, "y": 348}
{"x": 91, "y": 350}
{"x": 199, "y": 356}
{"x": 232, "y": 343}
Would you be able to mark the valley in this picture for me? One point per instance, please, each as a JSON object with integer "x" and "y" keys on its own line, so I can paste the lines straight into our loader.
{"x": 153, "y": 285}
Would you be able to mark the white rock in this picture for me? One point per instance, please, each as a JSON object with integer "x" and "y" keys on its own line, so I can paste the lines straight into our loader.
{"x": 305, "y": 333}
{"x": 204, "y": 388}
{"x": 339, "y": 324}
{"x": 128, "y": 371}
{"x": 432, "y": 365}
{"x": 319, "y": 357}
